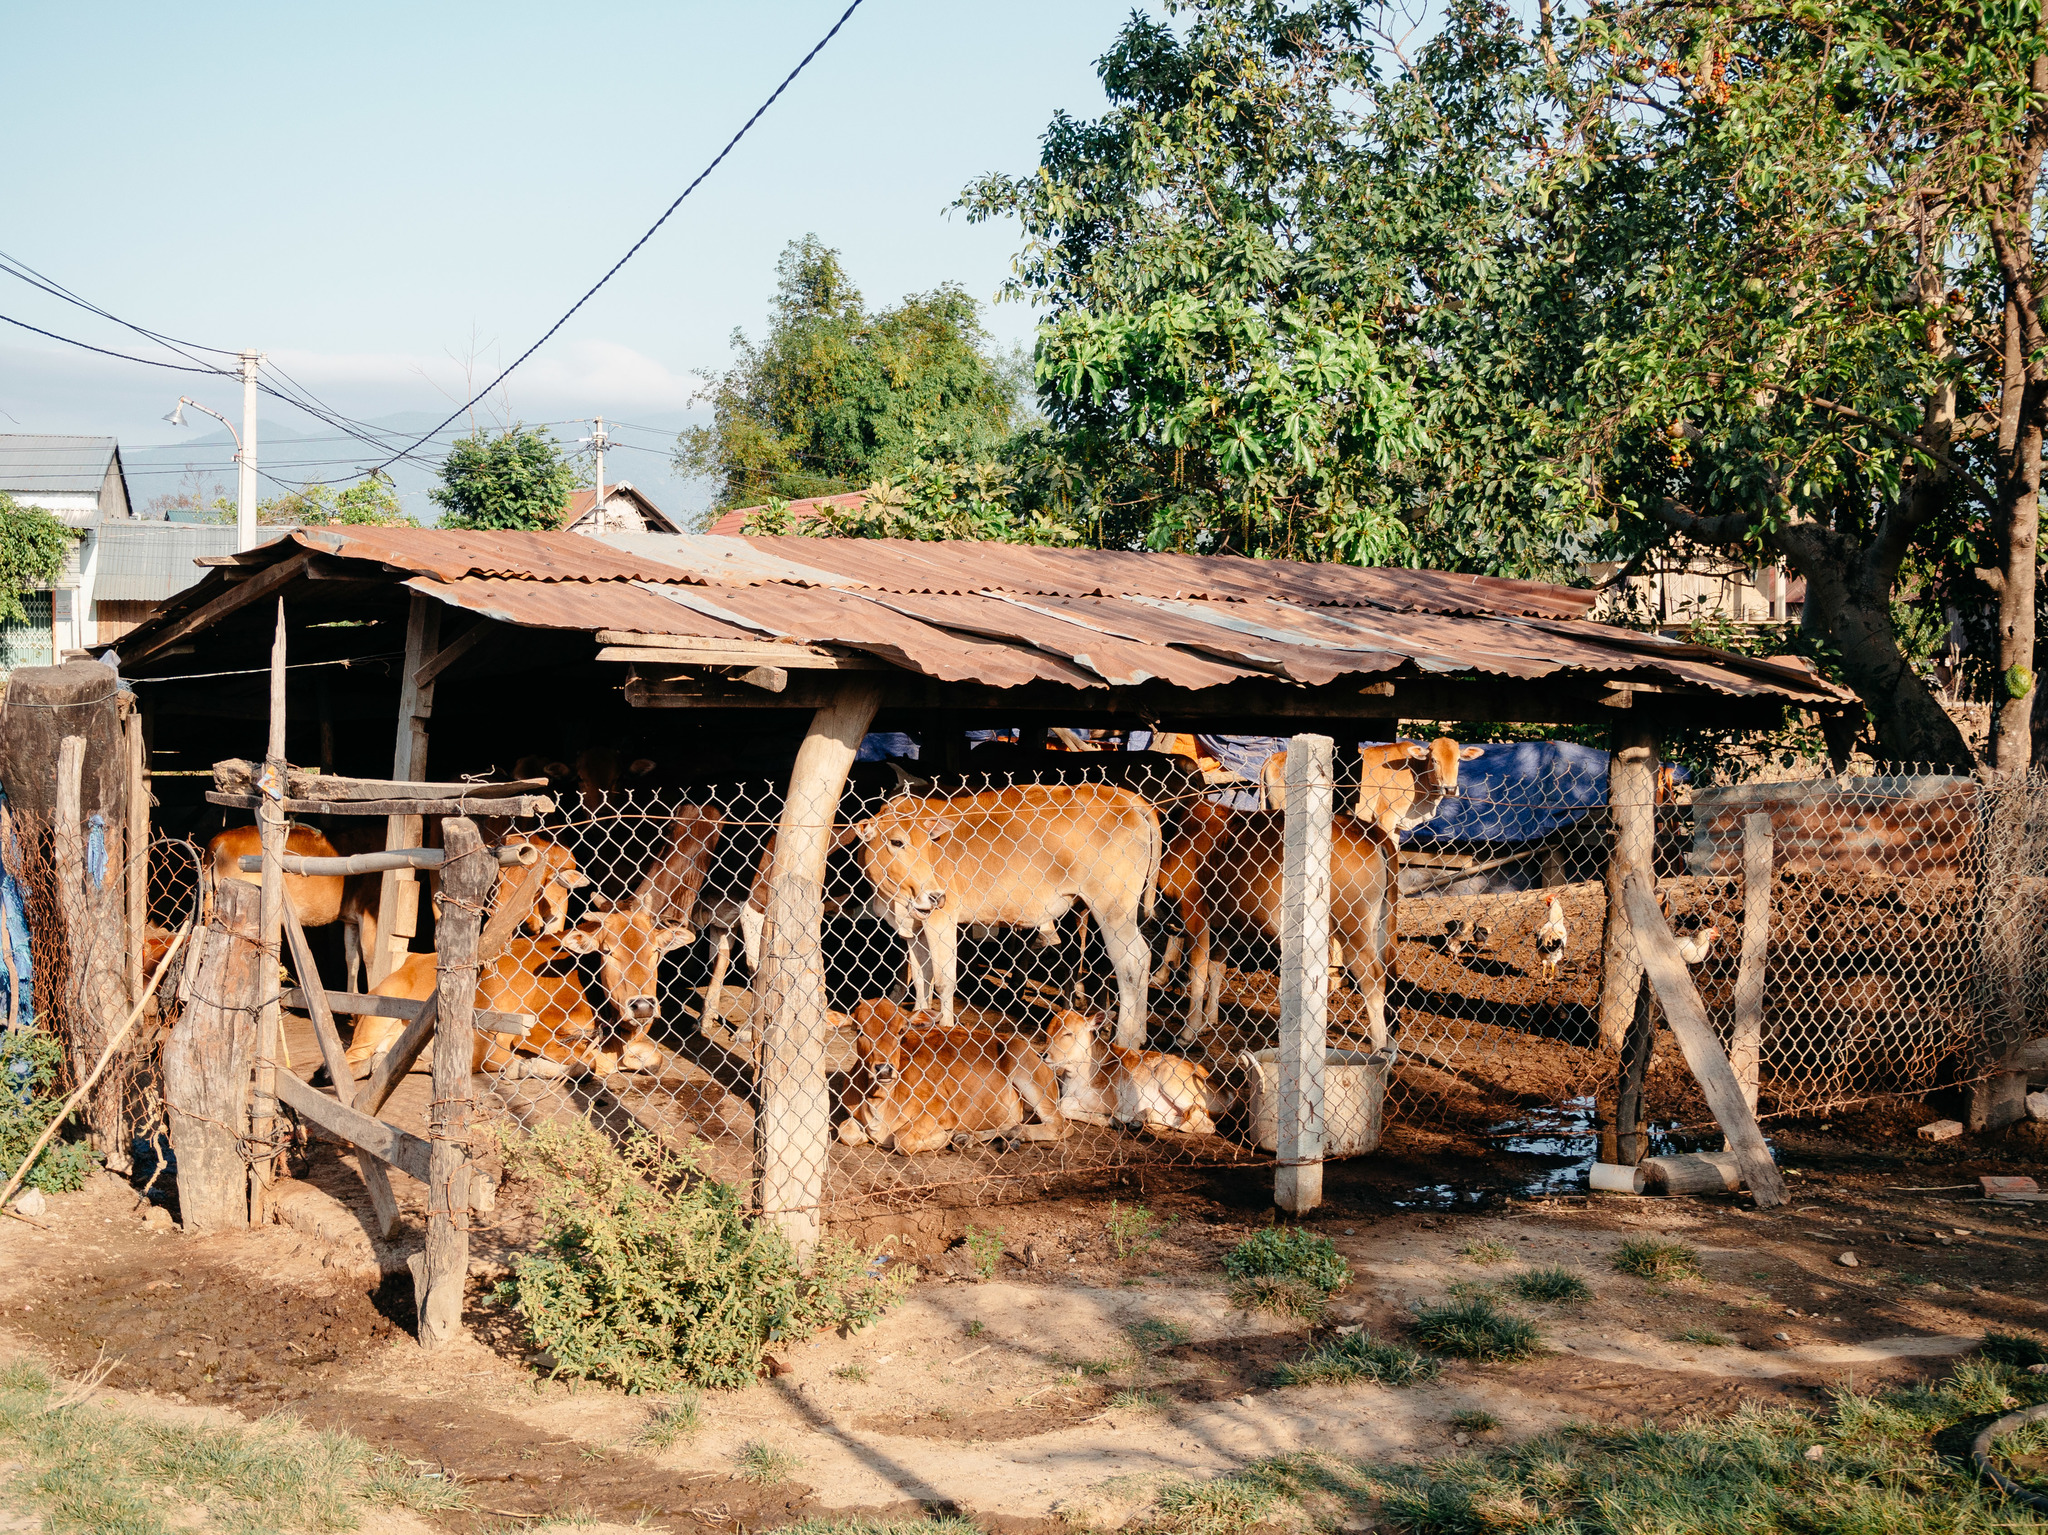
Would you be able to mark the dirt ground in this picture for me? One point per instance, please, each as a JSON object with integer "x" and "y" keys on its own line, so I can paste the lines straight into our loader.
{"x": 1028, "y": 1396}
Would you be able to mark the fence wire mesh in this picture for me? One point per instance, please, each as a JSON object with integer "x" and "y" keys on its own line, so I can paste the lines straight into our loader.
{"x": 1014, "y": 989}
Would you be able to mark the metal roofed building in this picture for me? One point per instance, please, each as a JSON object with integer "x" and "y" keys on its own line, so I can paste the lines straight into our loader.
{"x": 79, "y": 480}
{"x": 626, "y": 510}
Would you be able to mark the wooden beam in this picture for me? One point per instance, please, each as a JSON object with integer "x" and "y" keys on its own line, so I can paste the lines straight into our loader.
{"x": 398, "y": 893}
{"x": 1695, "y": 1034}
{"x": 685, "y": 649}
{"x": 408, "y": 1153}
{"x": 519, "y": 854}
{"x": 788, "y": 656}
{"x": 399, "y": 1058}
{"x": 356, "y": 1004}
{"x": 237, "y": 776}
{"x": 413, "y": 809}
{"x": 453, "y": 651}
{"x": 269, "y": 1022}
{"x": 231, "y": 601}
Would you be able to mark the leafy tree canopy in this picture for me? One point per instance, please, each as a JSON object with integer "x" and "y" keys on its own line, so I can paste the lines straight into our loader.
{"x": 837, "y": 396}
{"x": 367, "y": 503}
{"x": 33, "y": 548}
{"x": 516, "y": 480}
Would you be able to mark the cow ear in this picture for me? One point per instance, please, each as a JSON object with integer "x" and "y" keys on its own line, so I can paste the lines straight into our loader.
{"x": 603, "y": 903}
{"x": 572, "y": 879}
{"x": 1104, "y": 1029}
{"x": 938, "y": 826}
{"x": 583, "y": 938}
{"x": 639, "y": 767}
{"x": 669, "y": 938}
{"x": 557, "y": 770}
{"x": 864, "y": 830}
{"x": 1416, "y": 750}
{"x": 1470, "y": 752}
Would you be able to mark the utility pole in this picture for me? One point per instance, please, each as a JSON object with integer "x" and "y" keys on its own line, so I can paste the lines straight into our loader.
{"x": 598, "y": 443}
{"x": 245, "y": 490}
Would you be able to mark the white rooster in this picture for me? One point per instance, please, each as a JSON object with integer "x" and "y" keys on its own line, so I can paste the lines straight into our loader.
{"x": 1551, "y": 939}
{"x": 1693, "y": 947}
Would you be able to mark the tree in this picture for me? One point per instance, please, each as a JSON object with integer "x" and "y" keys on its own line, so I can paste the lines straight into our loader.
{"x": 836, "y": 397}
{"x": 517, "y": 480}
{"x": 34, "y": 545}
{"x": 368, "y": 503}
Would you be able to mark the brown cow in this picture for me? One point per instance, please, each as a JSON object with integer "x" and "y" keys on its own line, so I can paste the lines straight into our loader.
{"x": 1101, "y": 1082}
{"x": 1022, "y": 856}
{"x": 930, "y": 1087}
{"x": 669, "y": 887}
{"x": 1392, "y": 789}
{"x": 315, "y": 898}
{"x": 517, "y": 981}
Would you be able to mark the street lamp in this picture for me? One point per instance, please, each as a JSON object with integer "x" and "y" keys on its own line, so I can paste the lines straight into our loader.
{"x": 245, "y": 448}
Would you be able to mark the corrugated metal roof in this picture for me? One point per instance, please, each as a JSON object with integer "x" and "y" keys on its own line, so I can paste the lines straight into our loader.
{"x": 1003, "y": 616}
{"x": 152, "y": 561}
{"x": 38, "y": 461}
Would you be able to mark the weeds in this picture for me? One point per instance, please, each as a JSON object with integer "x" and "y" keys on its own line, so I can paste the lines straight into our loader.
{"x": 1136, "y": 1399}
{"x": 764, "y": 1465}
{"x": 1359, "y": 1356}
{"x": 31, "y": 1092}
{"x": 1474, "y": 1328}
{"x": 651, "y": 1276}
{"x": 1222, "y": 1507}
{"x": 1289, "y": 1253}
{"x": 1554, "y": 1283}
{"x": 1657, "y": 1258}
{"x": 1474, "y": 1420}
{"x": 1282, "y": 1297}
{"x": 2015, "y": 1348}
{"x": 1131, "y": 1231}
{"x": 938, "y": 1525}
{"x": 976, "y": 1328}
{"x": 1486, "y": 1254}
{"x": 984, "y": 1248}
{"x": 671, "y": 1422}
{"x": 1156, "y": 1333}
{"x": 858, "y": 1373}
{"x": 1705, "y": 1337}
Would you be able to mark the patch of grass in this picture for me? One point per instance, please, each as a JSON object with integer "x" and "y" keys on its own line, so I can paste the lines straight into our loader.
{"x": 1359, "y": 1356}
{"x": 1222, "y": 1507}
{"x": 1890, "y": 1465}
{"x": 1705, "y": 1337}
{"x": 1282, "y": 1297}
{"x": 938, "y": 1525}
{"x": 984, "y": 1248}
{"x": 2015, "y": 1348}
{"x": 1474, "y": 1328}
{"x": 1554, "y": 1283}
{"x": 1657, "y": 1258}
{"x": 764, "y": 1464}
{"x": 857, "y": 1373}
{"x": 1135, "y": 1399}
{"x": 1474, "y": 1420}
{"x": 1109, "y": 1364}
{"x": 671, "y": 1422}
{"x": 81, "y": 1466}
{"x": 1486, "y": 1254}
{"x": 1156, "y": 1333}
{"x": 1131, "y": 1231}
{"x": 1288, "y": 1252}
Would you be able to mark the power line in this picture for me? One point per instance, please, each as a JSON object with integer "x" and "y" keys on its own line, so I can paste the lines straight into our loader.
{"x": 719, "y": 159}
{"x": 149, "y": 362}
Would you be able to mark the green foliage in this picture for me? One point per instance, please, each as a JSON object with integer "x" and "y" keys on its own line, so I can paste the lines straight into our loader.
{"x": 764, "y": 1464}
{"x": 33, "y": 547}
{"x": 672, "y": 1422}
{"x": 1553, "y": 1282}
{"x": 367, "y": 503}
{"x": 34, "y": 1061}
{"x": 1222, "y": 1507}
{"x": 1472, "y": 1327}
{"x": 652, "y": 1277}
{"x": 1656, "y": 1258}
{"x": 2021, "y": 1349}
{"x": 1359, "y": 1356}
{"x": 1131, "y": 1231}
{"x": 1475, "y": 1420}
{"x": 516, "y": 480}
{"x": 1157, "y": 1332}
{"x": 1139, "y": 1399}
{"x": 1280, "y": 1296}
{"x": 1289, "y": 1252}
{"x": 837, "y": 396}
{"x": 1705, "y": 1337}
{"x": 984, "y": 1250}
{"x": 1486, "y": 1253}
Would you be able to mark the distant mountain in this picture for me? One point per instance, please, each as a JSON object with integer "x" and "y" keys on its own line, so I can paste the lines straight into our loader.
{"x": 289, "y": 456}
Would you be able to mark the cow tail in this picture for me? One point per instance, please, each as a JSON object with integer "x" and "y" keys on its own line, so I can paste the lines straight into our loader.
{"x": 1155, "y": 855}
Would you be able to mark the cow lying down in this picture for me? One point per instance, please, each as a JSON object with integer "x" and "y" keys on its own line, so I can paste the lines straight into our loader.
{"x": 1102, "y": 1082}
{"x": 927, "y": 1087}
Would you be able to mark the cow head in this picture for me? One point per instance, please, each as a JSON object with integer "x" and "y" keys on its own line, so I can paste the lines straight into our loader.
{"x": 550, "y": 912}
{"x": 898, "y": 851}
{"x": 879, "y": 1041}
{"x": 1437, "y": 780}
{"x": 629, "y": 944}
{"x": 1070, "y": 1041}
{"x": 601, "y": 771}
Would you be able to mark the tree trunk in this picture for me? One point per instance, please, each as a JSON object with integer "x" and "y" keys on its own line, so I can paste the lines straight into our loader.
{"x": 2012, "y": 737}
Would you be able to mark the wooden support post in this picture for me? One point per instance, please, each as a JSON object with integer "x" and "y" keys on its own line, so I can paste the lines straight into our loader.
{"x": 1631, "y": 1142}
{"x": 382, "y": 1200}
{"x": 438, "y": 1273}
{"x": 1304, "y": 970}
{"x": 1657, "y": 952}
{"x": 398, "y": 894}
{"x": 1745, "y": 1047}
{"x": 1632, "y": 807}
{"x": 792, "y": 1134}
{"x": 269, "y": 1028}
{"x": 206, "y": 1064}
{"x": 136, "y": 862}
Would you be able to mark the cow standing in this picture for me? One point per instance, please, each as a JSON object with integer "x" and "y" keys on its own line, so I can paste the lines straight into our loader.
{"x": 1024, "y": 857}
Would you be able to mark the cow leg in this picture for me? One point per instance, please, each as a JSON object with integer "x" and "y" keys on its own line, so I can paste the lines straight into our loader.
{"x": 919, "y": 968}
{"x": 753, "y": 922}
{"x": 923, "y": 1133}
{"x": 714, "y": 994}
{"x": 1039, "y": 1089}
{"x": 351, "y": 954}
{"x": 1132, "y": 962}
{"x": 942, "y": 942}
{"x": 1369, "y": 975}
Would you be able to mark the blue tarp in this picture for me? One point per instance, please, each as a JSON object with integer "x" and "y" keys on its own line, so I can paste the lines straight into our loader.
{"x": 881, "y": 745}
{"x": 14, "y": 933}
{"x": 1519, "y": 791}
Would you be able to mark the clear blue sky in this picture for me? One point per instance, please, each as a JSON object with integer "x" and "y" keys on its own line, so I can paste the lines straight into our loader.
{"x": 374, "y": 193}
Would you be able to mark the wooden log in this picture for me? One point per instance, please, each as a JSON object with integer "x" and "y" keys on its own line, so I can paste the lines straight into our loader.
{"x": 510, "y": 914}
{"x": 382, "y": 1200}
{"x": 135, "y": 866}
{"x": 520, "y": 855}
{"x": 92, "y": 989}
{"x": 207, "y": 1060}
{"x": 1631, "y": 1141}
{"x": 1695, "y": 1035}
{"x": 504, "y": 809}
{"x": 438, "y": 1273}
{"x": 399, "y": 1058}
{"x": 356, "y": 1004}
{"x": 1310, "y": 786}
{"x": 398, "y": 892}
{"x": 792, "y": 1132}
{"x": 235, "y": 775}
{"x": 408, "y": 1153}
{"x": 1745, "y": 1045}
{"x": 269, "y": 1023}
{"x": 1632, "y": 810}
{"x": 1700, "y": 1172}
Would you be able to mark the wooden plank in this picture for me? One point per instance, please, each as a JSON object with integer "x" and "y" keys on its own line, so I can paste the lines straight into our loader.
{"x": 1745, "y": 1045}
{"x": 1687, "y": 1016}
{"x": 452, "y": 652}
{"x": 399, "y": 1058}
{"x": 524, "y": 806}
{"x": 680, "y": 647}
{"x": 520, "y": 853}
{"x": 787, "y": 657}
{"x": 382, "y": 1200}
{"x": 255, "y": 589}
{"x": 1304, "y": 970}
{"x": 136, "y": 864}
{"x": 269, "y": 1022}
{"x": 206, "y": 1064}
{"x": 236, "y": 775}
{"x": 387, "y": 1143}
{"x": 398, "y": 890}
{"x": 356, "y": 1004}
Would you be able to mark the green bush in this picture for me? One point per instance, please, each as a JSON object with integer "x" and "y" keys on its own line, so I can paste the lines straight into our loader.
{"x": 63, "y": 1164}
{"x": 652, "y": 1277}
{"x": 1284, "y": 1252}
{"x": 1656, "y": 1258}
{"x": 2015, "y": 1348}
{"x": 1360, "y": 1356}
{"x": 1282, "y": 1297}
{"x": 1473, "y": 1328}
{"x": 1553, "y": 1282}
